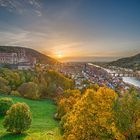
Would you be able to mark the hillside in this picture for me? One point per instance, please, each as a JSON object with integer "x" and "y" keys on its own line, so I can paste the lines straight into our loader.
{"x": 132, "y": 62}
{"x": 41, "y": 58}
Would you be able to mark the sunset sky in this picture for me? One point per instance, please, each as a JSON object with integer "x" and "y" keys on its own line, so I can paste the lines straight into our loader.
{"x": 72, "y": 29}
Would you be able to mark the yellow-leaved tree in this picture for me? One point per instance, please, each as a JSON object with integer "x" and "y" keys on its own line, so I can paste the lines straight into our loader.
{"x": 92, "y": 117}
{"x": 66, "y": 103}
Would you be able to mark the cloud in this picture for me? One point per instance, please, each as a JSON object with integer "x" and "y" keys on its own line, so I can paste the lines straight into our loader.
{"x": 13, "y": 38}
{"x": 21, "y": 7}
{"x": 39, "y": 13}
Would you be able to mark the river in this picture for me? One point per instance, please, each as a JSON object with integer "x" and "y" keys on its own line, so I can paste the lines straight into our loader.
{"x": 130, "y": 80}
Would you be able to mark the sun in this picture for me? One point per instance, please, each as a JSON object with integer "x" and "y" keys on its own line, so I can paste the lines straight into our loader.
{"x": 59, "y": 55}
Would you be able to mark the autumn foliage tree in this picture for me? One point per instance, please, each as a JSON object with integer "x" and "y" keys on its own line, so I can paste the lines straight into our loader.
{"x": 92, "y": 117}
{"x": 54, "y": 80}
{"x": 40, "y": 83}
{"x": 29, "y": 90}
{"x": 11, "y": 76}
{"x": 66, "y": 103}
{"x": 4, "y": 88}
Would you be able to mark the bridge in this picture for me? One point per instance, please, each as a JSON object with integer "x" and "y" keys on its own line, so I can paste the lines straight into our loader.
{"x": 119, "y": 72}
{"x": 122, "y": 72}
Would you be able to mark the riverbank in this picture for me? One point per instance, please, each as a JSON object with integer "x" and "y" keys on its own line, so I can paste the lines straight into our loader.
{"x": 132, "y": 80}
{"x": 128, "y": 80}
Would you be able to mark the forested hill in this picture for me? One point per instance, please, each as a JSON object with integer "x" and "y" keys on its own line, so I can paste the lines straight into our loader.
{"x": 41, "y": 58}
{"x": 132, "y": 62}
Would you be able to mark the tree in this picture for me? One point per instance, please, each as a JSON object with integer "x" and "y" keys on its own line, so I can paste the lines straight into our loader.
{"x": 12, "y": 77}
{"x": 92, "y": 117}
{"x": 66, "y": 103}
{"x": 5, "y": 104}
{"x": 127, "y": 115}
{"x": 18, "y": 118}
{"x": 4, "y": 88}
{"x": 29, "y": 90}
{"x": 55, "y": 79}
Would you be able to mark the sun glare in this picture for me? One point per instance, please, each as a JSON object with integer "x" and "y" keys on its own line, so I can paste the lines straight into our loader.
{"x": 59, "y": 55}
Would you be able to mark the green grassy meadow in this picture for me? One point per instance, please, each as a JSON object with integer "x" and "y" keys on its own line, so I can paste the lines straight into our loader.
{"x": 43, "y": 123}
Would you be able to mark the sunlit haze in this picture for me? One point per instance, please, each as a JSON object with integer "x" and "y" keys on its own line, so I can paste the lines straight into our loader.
{"x": 73, "y": 30}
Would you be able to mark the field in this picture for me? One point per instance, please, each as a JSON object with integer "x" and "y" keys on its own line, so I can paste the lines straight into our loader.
{"x": 42, "y": 121}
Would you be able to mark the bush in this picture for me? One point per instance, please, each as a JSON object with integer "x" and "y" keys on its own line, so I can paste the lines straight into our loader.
{"x": 18, "y": 118}
{"x": 15, "y": 93}
{"x": 5, "y": 104}
{"x": 29, "y": 90}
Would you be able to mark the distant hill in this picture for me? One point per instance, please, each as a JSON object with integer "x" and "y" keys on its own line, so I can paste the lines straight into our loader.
{"x": 41, "y": 58}
{"x": 132, "y": 62}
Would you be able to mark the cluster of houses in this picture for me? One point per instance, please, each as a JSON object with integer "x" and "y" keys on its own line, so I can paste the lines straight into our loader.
{"x": 96, "y": 74}
{"x": 17, "y": 60}
{"x": 73, "y": 71}
{"x": 81, "y": 72}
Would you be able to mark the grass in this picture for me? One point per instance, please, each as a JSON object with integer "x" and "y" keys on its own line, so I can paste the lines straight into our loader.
{"x": 42, "y": 119}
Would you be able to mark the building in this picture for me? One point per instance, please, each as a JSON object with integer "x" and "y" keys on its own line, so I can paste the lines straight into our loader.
{"x": 20, "y": 59}
{"x": 28, "y": 63}
{"x": 8, "y": 58}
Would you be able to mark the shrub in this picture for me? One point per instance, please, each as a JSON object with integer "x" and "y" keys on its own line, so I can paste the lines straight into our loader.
{"x": 15, "y": 93}
{"x": 18, "y": 118}
{"x": 29, "y": 90}
{"x": 5, "y": 104}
